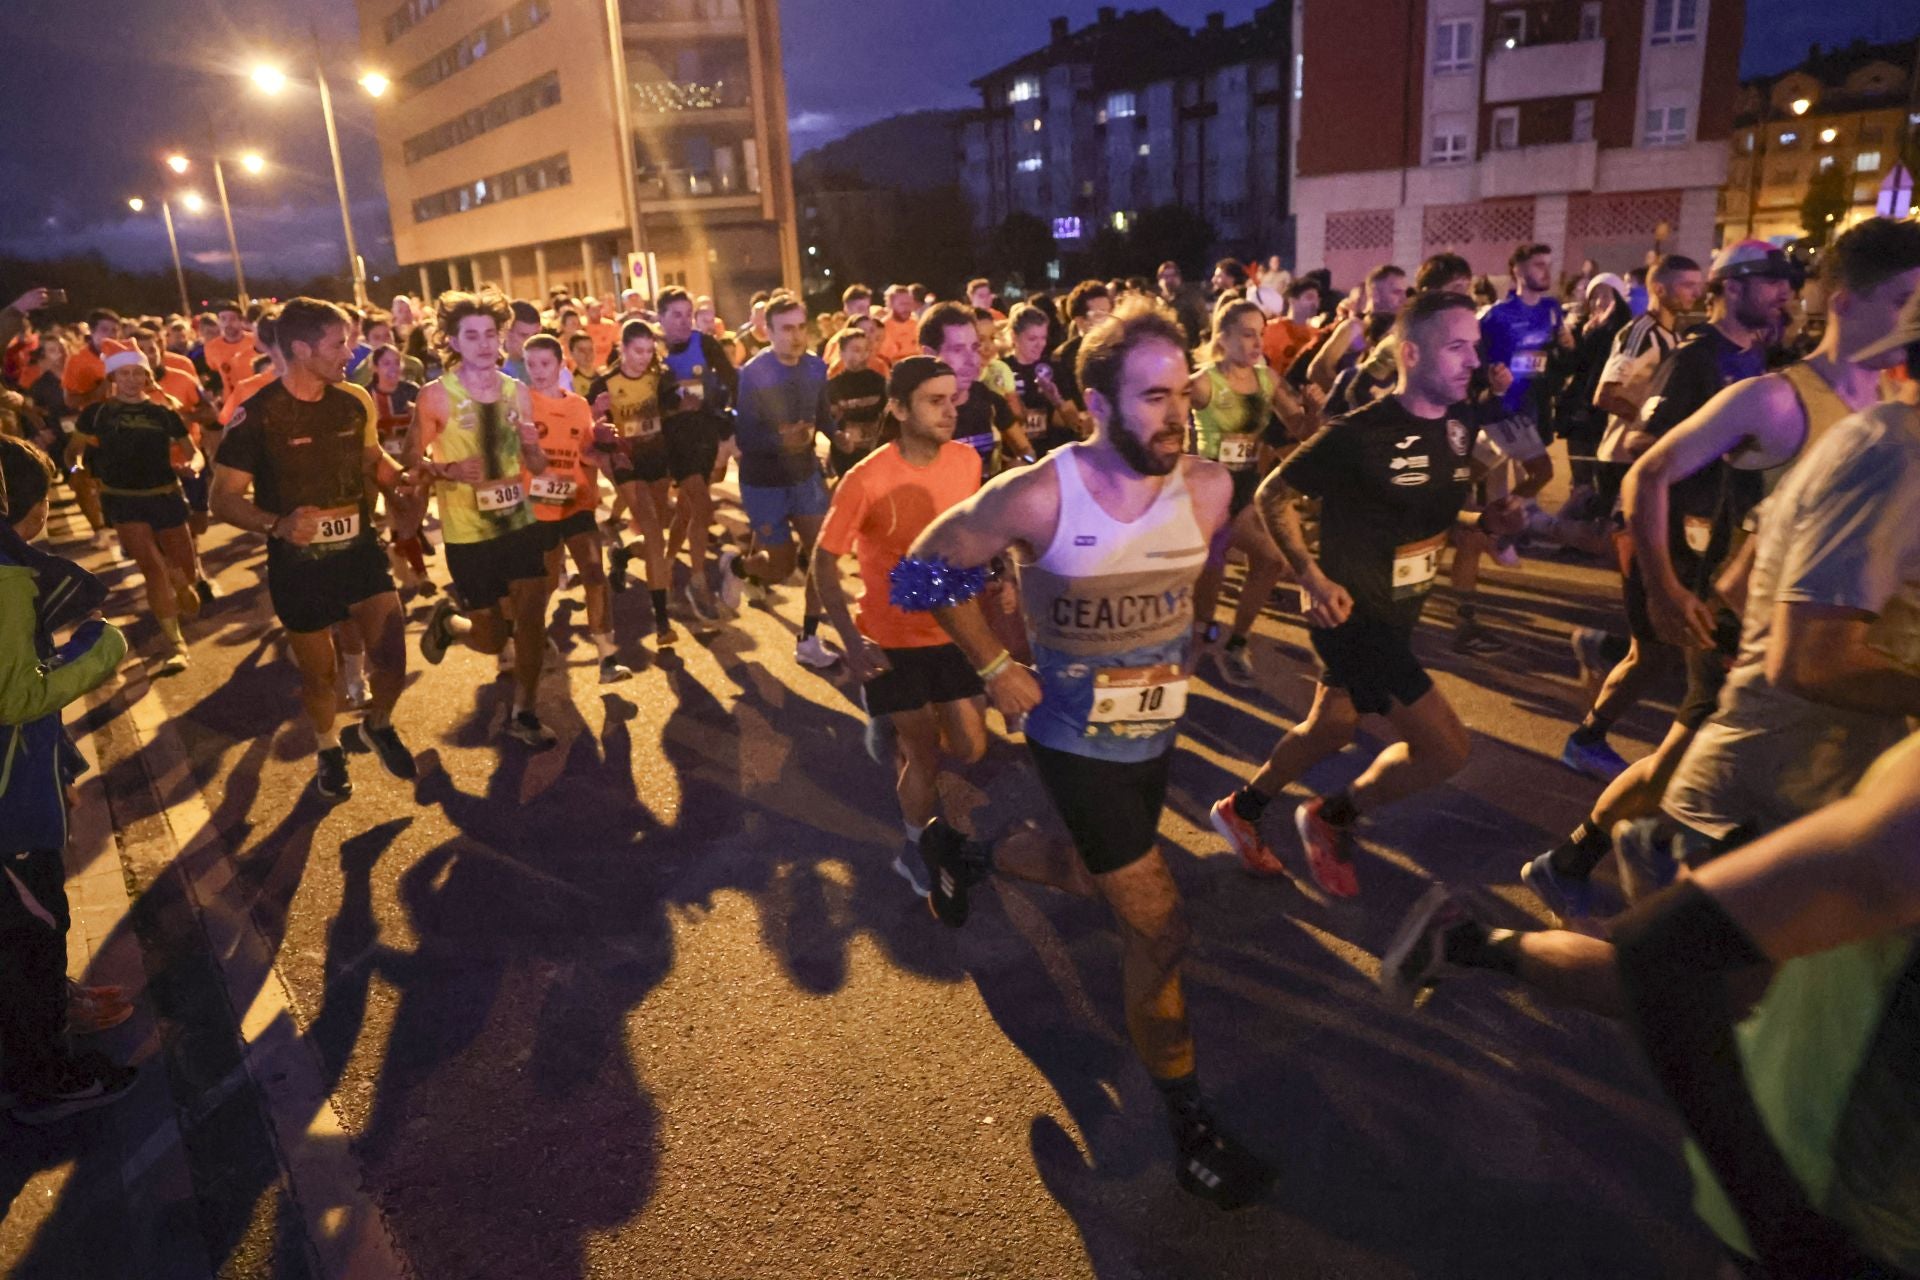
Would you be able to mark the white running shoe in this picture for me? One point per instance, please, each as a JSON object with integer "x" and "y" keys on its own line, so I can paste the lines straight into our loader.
{"x": 814, "y": 652}
{"x": 732, "y": 589}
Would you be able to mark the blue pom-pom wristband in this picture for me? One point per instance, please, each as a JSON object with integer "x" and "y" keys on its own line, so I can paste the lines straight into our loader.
{"x": 919, "y": 584}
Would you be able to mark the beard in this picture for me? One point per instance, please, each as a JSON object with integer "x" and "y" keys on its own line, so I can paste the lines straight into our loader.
{"x": 1140, "y": 455}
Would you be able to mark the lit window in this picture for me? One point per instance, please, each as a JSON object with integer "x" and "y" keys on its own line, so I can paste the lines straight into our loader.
{"x": 1666, "y": 127}
{"x": 1827, "y": 163}
{"x": 1146, "y": 149}
{"x": 1025, "y": 89}
{"x": 1121, "y": 219}
{"x": 1787, "y": 139}
{"x": 1675, "y": 21}
{"x": 1034, "y": 125}
{"x": 1029, "y": 164}
{"x": 1828, "y": 135}
{"x": 1300, "y": 78}
{"x": 1506, "y": 129}
{"x": 1453, "y": 47}
{"x": 1590, "y": 20}
{"x": 1448, "y": 148}
{"x": 1867, "y": 162}
{"x": 1511, "y": 28}
{"x": 1120, "y": 106}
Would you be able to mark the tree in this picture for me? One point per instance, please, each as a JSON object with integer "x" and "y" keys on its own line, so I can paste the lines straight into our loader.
{"x": 1021, "y": 246}
{"x": 1827, "y": 201}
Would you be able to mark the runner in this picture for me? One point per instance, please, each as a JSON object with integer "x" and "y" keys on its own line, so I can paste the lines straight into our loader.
{"x": 85, "y": 377}
{"x": 1087, "y": 305}
{"x": 629, "y": 403}
{"x": 308, "y": 446}
{"x": 921, "y": 694}
{"x": 605, "y": 333}
{"x": 1520, "y": 331}
{"x": 179, "y": 389}
{"x": 900, "y": 327}
{"x": 1236, "y": 402}
{"x": 1286, "y": 336}
{"x": 783, "y": 410}
{"x": 474, "y": 437}
{"x": 567, "y": 493}
{"x": 1394, "y": 479}
{"x": 995, "y": 373}
{"x": 231, "y": 352}
{"x": 1385, "y": 293}
{"x": 979, "y": 295}
{"x": 1037, "y": 392}
{"x": 1121, "y": 540}
{"x": 948, "y": 334}
{"x": 394, "y": 397}
{"x": 138, "y": 451}
{"x": 696, "y": 424}
{"x": 857, "y": 398}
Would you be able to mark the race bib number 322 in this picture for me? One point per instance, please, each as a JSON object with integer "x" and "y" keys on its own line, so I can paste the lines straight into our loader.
{"x": 553, "y": 489}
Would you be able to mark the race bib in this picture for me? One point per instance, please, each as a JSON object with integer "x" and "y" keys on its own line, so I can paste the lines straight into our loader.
{"x": 337, "y": 525}
{"x": 1527, "y": 364}
{"x": 499, "y": 495}
{"x": 1414, "y": 566}
{"x": 1152, "y": 697}
{"x": 1036, "y": 422}
{"x": 553, "y": 488}
{"x": 643, "y": 428}
{"x": 1239, "y": 451}
{"x": 1699, "y": 533}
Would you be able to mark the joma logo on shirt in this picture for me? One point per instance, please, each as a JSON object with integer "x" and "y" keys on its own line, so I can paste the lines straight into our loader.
{"x": 1118, "y": 613}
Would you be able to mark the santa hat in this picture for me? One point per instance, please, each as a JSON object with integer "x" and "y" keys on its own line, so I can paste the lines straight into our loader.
{"x": 127, "y": 358}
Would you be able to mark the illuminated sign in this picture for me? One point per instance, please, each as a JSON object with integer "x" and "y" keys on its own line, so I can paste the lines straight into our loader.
{"x": 1066, "y": 228}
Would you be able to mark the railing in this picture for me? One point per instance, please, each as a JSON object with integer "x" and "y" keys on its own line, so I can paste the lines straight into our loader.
{"x": 689, "y": 184}
{"x": 671, "y": 97}
{"x": 641, "y": 11}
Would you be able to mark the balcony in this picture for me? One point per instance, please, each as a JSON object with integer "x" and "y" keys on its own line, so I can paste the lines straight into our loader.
{"x": 667, "y": 102}
{"x": 668, "y": 19}
{"x": 1572, "y": 69}
{"x": 1529, "y": 171}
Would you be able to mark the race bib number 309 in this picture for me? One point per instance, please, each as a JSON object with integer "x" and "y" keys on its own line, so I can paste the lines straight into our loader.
{"x": 501, "y": 495}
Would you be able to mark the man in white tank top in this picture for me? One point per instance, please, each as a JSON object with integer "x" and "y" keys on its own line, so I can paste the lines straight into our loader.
{"x": 1120, "y": 541}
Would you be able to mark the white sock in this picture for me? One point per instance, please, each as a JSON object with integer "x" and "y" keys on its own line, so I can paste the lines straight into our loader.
{"x": 913, "y": 833}
{"x": 170, "y": 628}
{"x": 603, "y": 643}
{"x": 355, "y": 665}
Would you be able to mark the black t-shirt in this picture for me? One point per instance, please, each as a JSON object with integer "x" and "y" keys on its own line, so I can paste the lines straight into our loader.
{"x": 982, "y": 418}
{"x": 1066, "y": 371}
{"x": 135, "y": 452}
{"x": 1706, "y": 361}
{"x": 1035, "y": 408}
{"x": 857, "y": 399}
{"x": 1392, "y": 486}
{"x": 307, "y": 453}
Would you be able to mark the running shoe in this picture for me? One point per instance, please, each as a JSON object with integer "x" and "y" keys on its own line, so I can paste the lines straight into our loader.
{"x": 882, "y": 740}
{"x": 664, "y": 636}
{"x": 705, "y": 614}
{"x": 732, "y": 588}
{"x": 91, "y": 1010}
{"x": 207, "y": 591}
{"x": 437, "y": 638}
{"x": 428, "y": 588}
{"x": 1329, "y": 850}
{"x": 1647, "y": 860}
{"x": 617, "y": 557}
{"x": 1474, "y": 639}
{"x": 1506, "y": 554}
{"x": 1594, "y": 759}
{"x": 1417, "y": 957}
{"x": 1256, "y": 859}
{"x": 904, "y": 866}
{"x": 1568, "y": 897}
{"x": 812, "y": 651}
{"x": 188, "y": 599}
{"x": 525, "y": 726}
{"x": 954, "y": 865}
{"x": 173, "y": 663}
{"x": 358, "y": 695}
{"x": 1586, "y": 644}
{"x": 384, "y": 742}
{"x": 84, "y": 1082}
{"x": 330, "y": 778}
{"x": 757, "y": 593}
{"x": 613, "y": 671}
{"x": 1234, "y": 666}
{"x": 1209, "y": 1164}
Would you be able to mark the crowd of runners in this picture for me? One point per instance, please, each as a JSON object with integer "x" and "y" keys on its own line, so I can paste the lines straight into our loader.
{"x": 1044, "y": 498}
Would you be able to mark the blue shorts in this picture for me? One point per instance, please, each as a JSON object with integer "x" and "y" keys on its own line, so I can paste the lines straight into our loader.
{"x": 769, "y": 509}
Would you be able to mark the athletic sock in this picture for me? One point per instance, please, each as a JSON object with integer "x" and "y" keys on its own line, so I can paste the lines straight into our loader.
{"x": 659, "y": 599}
{"x": 1468, "y": 612}
{"x": 355, "y": 666}
{"x": 1250, "y": 804}
{"x": 737, "y": 567}
{"x": 1580, "y": 853}
{"x": 809, "y": 623}
{"x": 170, "y": 628}
{"x": 1236, "y": 642}
{"x": 1180, "y": 1093}
{"x": 1338, "y": 809}
{"x": 913, "y": 832}
{"x": 1472, "y": 945}
{"x": 603, "y": 644}
{"x": 330, "y": 739}
{"x": 1593, "y": 730}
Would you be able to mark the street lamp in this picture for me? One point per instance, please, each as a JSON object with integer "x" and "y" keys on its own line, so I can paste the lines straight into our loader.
{"x": 1800, "y": 106}
{"x": 193, "y": 203}
{"x": 252, "y": 162}
{"x": 271, "y": 80}
{"x": 136, "y": 204}
{"x": 177, "y": 162}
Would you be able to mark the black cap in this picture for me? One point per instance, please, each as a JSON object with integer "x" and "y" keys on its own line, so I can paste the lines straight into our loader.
{"x": 909, "y": 373}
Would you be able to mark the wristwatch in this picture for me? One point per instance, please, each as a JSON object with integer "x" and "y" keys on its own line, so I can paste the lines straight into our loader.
{"x": 1211, "y": 633}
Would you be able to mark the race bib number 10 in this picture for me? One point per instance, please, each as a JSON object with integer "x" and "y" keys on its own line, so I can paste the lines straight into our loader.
{"x": 1131, "y": 701}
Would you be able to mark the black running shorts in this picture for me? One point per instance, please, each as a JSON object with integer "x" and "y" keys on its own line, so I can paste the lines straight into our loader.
{"x": 1372, "y": 661}
{"x": 158, "y": 511}
{"x": 1111, "y": 807}
{"x": 483, "y": 571}
{"x": 312, "y": 593}
{"x": 921, "y": 677}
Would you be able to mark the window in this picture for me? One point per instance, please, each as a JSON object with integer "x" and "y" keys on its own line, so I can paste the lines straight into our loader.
{"x": 1146, "y": 149}
{"x": 1034, "y": 125}
{"x": 1583, "y": 120}
{"x": 1827, "y": 163}
{"x": 1867, "y": 162}
{"x": 1675, "y": 21}
{"x": 1448, "y": 148}
{"x": 517, "y": 20}
{"x": 528, "y": 179}
{"x": 1025, "y": 89}
{"x": 1666, "y": 127}
{"x": 1510, "y": 28}
{"x": 1506, "y": 129}
{"x": 1300, "y": 78}
{"x": 1029, "y": 164}
{"x": 401, "y": 20}
{"x": 1452, "y": 48}
{"x": 1590, "y": 20}
{"x": 1871, "y": 133}
{"x": 1746, "y": 143}
{"x": 1121, "y": 219}
{"x": 514, "y": 104}
{"x": 1789, "y": 138}
{"x": 1120, "y": 106}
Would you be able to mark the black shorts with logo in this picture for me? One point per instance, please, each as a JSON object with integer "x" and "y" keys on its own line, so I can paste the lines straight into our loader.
{"x": 693, "y": 446}
{"x": 312, "y": 593}
{"x": 158, "y": 511}
{"x": 556, "y": 532}
{"x": 1111, "y": 807}
{"x": 1372, "y": 661}
{"x": 482, "y": 572}
{"x": 921, "y": 677}
{"x": 648, "y": 465}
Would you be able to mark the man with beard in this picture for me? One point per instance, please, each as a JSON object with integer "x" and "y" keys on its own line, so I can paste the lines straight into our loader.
{"x": 1120, "y": 540}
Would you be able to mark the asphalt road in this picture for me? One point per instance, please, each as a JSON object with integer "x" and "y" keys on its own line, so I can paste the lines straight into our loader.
{"x": 652, "y": 1003}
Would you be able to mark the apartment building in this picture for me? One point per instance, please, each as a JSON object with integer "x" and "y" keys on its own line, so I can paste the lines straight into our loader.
{"x": 1599, "y": 127}
{"x": 1853, "y": 110}
{"x": 1135, "y": 111}
{"x": 519, "y": 148}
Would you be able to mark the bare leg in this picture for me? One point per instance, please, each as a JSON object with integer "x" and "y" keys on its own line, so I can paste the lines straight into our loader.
{"x": 528, "y": 600}
{"x": 313, "y": 654}
{"x": 1328, "y": 729}
{"x": 382, "y": 626}
{"x": 1434, "y": 746}
{"x": 1154, "y": 938}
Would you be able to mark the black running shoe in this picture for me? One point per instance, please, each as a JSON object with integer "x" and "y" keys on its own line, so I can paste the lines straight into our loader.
{"x": 85, "y": 1082}
{"x": 330, "y": 776}
{"x": 437, "y": 638}
{"x": 205, "y": 589}
{"x": 617, "y": 557}
{"x": 954, "y": 865}
{"x": 1211, "y": 1165}
{"x": 525, "y": 726}
{"x": 383, "y": 742}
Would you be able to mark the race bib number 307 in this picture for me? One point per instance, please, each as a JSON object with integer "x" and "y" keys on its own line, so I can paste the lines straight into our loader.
{"x": 337, "y": 525}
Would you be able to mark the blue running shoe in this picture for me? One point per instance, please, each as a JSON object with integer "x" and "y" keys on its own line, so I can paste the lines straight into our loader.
{"x": 1648, "y": 861}
{"x": 1594, "y": 759}
{"x": 1566, "y": 897}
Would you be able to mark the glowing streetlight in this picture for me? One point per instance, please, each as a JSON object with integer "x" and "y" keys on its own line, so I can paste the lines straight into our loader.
{"x": 177, "y": 162}
{"x": 268, "y": 78}
{"x": 253, "y": 162}
{"x": 375, "y": 84}
{"x": 1800, "y": 106}
{"x": 1828, "y": 135}
{"x": 192, "y": 203}
{"x": 136, "y": 204}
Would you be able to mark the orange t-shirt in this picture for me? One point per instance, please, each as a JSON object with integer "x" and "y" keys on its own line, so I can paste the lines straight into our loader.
{"x": 85, "y": 372}
{"x": 174, "y": 360}
{"x": 1284, "y": 340}
{"x": 237, "y": 392}
{"x": 878, "y": 509}
{"x": 233, "y": 361}
{"x": 899, "y": 339}
{"x": 605, "y": 333}
{"x": 180, "y": 394}
{"x": 565, "y": 423}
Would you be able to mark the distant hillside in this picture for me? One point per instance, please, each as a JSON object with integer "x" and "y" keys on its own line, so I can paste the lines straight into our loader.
{"x": 910, "y": 152}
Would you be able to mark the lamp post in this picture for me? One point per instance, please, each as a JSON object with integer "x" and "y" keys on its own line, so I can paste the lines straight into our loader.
{"x": 173, "y": 244}
{"x": 270, "y": 80}
{"x": 253, "y": 163}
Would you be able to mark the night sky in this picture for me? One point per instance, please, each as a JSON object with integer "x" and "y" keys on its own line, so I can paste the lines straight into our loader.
{"x": 96, "y": 91}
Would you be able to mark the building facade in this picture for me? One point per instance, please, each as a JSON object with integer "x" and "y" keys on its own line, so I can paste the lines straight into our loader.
{"x": 1132, "y": 112}
{"x": 1598, "y": 127}
{"x": 510, "y": 155}
{"x": 1852, "y": 111}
